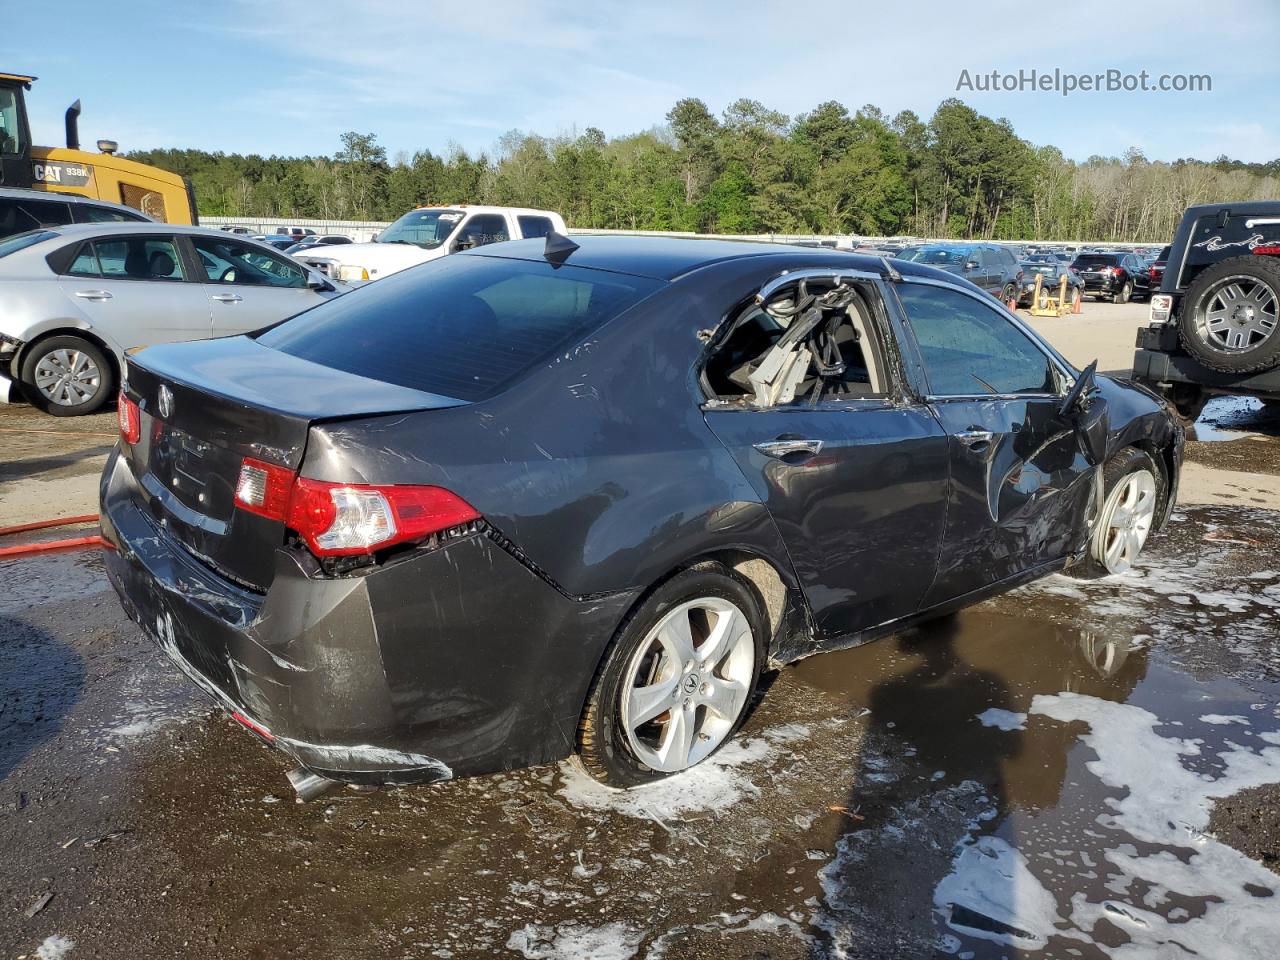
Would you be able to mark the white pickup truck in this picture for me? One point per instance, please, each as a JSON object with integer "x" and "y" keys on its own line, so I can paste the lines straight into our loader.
{"x": 426, "y": 234}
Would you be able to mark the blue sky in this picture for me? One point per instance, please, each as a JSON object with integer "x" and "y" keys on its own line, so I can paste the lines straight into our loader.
{"x": 287, "y": 76}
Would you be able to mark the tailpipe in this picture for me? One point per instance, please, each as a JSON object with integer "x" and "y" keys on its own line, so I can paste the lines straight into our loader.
{"x": 73, "y": 126}
{"x": 310, "y": 786}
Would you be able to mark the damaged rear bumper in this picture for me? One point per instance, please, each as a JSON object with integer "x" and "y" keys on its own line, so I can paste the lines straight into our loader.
{"x": 452, "y": 662}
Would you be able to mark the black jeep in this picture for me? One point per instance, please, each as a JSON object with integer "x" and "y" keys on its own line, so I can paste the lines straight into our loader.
{"x": 1214, "y": 320}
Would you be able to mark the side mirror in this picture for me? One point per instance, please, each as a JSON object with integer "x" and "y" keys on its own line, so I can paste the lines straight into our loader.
{"x": 971, "y": 265}
{"x": 464, "y": 244}
{"x": 316, "y": 282}
{"x": 1089, "y": 416}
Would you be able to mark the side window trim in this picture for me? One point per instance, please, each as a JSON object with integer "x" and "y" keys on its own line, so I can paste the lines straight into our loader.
{"x": 1066, "y": 375}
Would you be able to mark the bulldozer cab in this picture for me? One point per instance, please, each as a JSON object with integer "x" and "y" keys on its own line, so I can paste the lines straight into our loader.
{"x": 15, "y": 133}
{"x": 162, "y": 195}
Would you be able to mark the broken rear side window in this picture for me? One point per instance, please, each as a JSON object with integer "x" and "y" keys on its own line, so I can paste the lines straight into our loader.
{"x": 808, "y": 342}
{"x": 462, "y": 326}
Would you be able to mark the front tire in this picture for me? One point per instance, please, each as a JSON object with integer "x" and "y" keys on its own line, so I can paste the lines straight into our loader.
{"x": 67, "y": 376}
{"x": 1134, "y": 499}
{"x": 677, "y": 680}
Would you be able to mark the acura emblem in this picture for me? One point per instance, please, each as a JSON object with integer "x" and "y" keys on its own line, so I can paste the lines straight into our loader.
{"x": 165, "y": 402}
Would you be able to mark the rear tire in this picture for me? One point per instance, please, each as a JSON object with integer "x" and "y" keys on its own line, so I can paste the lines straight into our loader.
{"x": 1124, "y": 293}
{"x": 1229, "y": 316}
{"x": 700, "y": 696}
{"x": 67, "y": 376}
{"x": 1134, "y": 501}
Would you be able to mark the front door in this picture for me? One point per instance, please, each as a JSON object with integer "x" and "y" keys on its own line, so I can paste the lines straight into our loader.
{"x": 1020, "y": 485}
{"x": 854, "y": 481}
{"x": 249, "y": 287}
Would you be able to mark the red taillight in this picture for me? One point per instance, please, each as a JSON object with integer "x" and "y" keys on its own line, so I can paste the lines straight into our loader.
{"x": 1267, "y": 251}
{"x": 345, "y": 519}
{"x": 129, "y": 418}
{"x": 264, "y": 488}
{"x": 338, "y": 519}
{"x": 1116, "y": 271}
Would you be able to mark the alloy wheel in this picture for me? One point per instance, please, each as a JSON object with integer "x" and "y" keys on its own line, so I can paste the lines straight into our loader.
{"x": 68, "y": 377}
{"x": 687, "y": 683}
{"x": 1237, "y": 314}
{"x": 1127, "y": 518}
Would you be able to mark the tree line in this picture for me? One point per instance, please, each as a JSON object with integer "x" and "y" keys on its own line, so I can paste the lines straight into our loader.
{"x": 751, "y": 170}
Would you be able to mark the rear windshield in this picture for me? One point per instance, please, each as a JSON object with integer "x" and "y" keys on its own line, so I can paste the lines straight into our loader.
{"x": 462, "y": 326}
{"x": 23, "y": 240}
{"x": 1097, "y": 260}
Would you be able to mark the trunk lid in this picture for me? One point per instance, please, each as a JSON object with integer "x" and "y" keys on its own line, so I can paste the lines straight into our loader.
{"x": 205, "y": 407}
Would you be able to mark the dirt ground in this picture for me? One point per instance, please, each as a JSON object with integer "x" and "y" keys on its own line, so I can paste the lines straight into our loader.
{"x": 1081, "y": 769}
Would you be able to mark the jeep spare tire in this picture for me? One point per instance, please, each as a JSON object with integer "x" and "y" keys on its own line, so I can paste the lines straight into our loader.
{"x": 1230, "y": 313}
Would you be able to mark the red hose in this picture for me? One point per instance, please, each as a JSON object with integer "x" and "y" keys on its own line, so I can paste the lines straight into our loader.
{"x": 44, "y": 524}
{"x": 93, "y": 541}
{"x": 90, "y": 541}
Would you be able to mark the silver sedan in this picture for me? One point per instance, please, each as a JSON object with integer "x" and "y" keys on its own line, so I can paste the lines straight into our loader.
{"x": 77, "y": 298}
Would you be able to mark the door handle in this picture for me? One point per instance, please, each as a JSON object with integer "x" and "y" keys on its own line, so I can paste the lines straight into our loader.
{"x": 784, "y": 448}
{"x": 94, "y": 294}
{"x": 227, "y": 297}
{"x": 975, "y": 439}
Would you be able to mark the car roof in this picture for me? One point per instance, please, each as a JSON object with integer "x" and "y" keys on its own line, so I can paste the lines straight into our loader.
{"x": 486, "y": 208}
{"x": 669, "y": 258}
{"x": 22, "y": 193}
{"x": 73, "y": 230}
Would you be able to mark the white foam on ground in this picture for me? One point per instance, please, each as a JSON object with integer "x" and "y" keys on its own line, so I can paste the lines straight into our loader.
{"x": 991, "y": 878}
{"x": 55, "y": 947}
{"x": 1003, "y": 719}
{"x": 717, "y": 783}
{"x": 1166, "y": 804}
{"x": 573, "y": 941}
{"x": 1222, "y": 719}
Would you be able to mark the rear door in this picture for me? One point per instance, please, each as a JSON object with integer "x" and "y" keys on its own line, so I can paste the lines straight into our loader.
{"x": 248, "y": 287}
{"x": 1019, "y": 484}
{"x": 134, "y": 291}
{"x": 855, "y": 483}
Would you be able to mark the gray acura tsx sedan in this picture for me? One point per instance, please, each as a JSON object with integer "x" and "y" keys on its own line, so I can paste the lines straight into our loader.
{"x": 571, "y": 497}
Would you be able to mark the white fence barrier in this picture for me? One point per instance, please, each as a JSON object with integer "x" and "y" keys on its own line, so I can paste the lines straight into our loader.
{"x": 363, "y": 230}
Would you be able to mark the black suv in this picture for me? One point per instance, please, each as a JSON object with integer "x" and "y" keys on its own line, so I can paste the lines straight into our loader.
{"x": 1118, "y": 277}
{"x": 22, "y": 210}
{"x": 1214, "y": 320}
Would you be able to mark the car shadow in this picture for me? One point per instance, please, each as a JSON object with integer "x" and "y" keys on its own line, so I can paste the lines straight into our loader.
{"x": 41, "y": 679}
{"x": 927, "y": 714}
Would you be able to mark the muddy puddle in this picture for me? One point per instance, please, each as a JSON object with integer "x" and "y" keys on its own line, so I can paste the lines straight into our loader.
{"x": 1035, "y": 776}
{"x": 1233, "y": 418}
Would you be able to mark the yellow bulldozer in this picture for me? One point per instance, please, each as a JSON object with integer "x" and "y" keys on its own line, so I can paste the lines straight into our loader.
{"x": 158, "y": 193}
